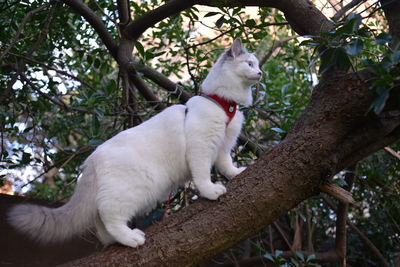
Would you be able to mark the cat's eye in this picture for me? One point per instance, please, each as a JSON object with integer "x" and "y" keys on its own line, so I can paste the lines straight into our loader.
{"x": 250, "y": 64}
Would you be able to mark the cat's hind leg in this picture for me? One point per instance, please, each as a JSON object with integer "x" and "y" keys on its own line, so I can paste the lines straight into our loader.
{"x": 117, "y": 227}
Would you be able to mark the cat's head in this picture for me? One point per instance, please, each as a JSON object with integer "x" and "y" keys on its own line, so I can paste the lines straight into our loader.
{"x": 241, "y": 63}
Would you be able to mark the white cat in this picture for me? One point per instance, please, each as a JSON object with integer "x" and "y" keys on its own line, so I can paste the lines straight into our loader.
{"x": 129, "y": 174}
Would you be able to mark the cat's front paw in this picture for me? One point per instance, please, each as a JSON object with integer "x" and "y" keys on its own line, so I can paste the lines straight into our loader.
{"x": 213, "y": 191}
{"x": 132, "y": 238}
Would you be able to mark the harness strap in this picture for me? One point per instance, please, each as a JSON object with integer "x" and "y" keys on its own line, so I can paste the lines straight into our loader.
{"x": 228, "y": 106}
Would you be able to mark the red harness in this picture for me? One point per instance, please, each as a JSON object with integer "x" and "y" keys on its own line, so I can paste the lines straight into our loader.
{"x": 228, "y": 106}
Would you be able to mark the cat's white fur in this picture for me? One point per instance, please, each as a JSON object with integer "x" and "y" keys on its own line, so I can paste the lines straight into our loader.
{"x": 129, "y": 174}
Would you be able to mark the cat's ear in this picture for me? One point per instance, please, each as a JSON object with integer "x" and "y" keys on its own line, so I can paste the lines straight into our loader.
{"x": 236, "y": 49}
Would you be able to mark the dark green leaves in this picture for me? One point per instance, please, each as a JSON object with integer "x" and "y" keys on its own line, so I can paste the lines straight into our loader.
{"x": 220, "y": 21}
{"x": 383, "y": 38}
{"x": 339, "y": 47}
{"x": 354, "y": 47}
{"x": 26, "y": 158}
{"x": 350, "y": 25}
{"x": 334, "y": 57}
{"x": 140, "y": 49}
{"x": 379, "y": 103}
{"x": 386, "y": 76}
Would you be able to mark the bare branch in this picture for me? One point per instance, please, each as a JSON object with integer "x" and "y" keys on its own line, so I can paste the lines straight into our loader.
{"x": 55, "y": 101}
{"x": 124, "y": 12}
{"x": 392, "y": 12}
{"x": 302, "y": 15}
{"x": 339, "y": 193}
{"x": 163, "y": 81}
{"x": 276, "y": 45}
{"x": 392, "y": 152}
{"x": 96, "y": 23}
{"x": 140, "y": 25}
{"x": 43, "y": 32}
{"x": 145, "y": 91}
{"x": 341, "y": 218}
{"x": 346, "y": 8}
{"x": 55, "y": 69}
{"x": 19, "y": 67}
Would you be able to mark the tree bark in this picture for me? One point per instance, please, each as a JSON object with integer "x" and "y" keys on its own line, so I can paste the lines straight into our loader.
{"x": 290, "y": 173}
{"x": 331, "y": 134}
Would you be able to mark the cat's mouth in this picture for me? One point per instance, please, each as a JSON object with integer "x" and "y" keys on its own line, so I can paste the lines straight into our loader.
{"x": 256, "y": 78}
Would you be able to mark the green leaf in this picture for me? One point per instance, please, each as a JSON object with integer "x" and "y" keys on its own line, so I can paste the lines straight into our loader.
{"x": 354, "y": 47}
{"x": 97, "y": 63}
{"x": 342, "y": 59}
{"x": 327, "y": 60}
{"x": 95, "y": 125}
{"x": 26, "y": 158}
{"x": 278, "y": 130}
{"x": 95, "y": 142}
{"x": 220, "y": 21}
{"x": 210, "y": 14}
{"x": 299, "y": 255}
{"x": 294, "y": 262}
{"x": 268, "y": 256}
{"x": 278, "y": 253}
{"x": 311, "y": 257}
{"x": 140, "y": 49}
{"x": 355, "y": 20}
{"x": 251, "y": 23}
{"x": 383, "y": 38}
{"x": 379, "y": 103}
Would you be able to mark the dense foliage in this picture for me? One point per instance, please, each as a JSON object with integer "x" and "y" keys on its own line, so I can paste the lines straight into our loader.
{"x": 62, "y": 96}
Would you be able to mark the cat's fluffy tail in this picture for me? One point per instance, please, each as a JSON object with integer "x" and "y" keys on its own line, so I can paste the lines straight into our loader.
{"x": 47, "y": 225}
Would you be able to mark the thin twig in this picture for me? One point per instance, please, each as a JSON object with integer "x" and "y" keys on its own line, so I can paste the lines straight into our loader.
{"x": 80, "y": 151}
{"x": 55, "y": 69}
{"x": 56, "y": 101}
{"x": 276, "y": 45}
{"x": 346, "y": 8}
{"x": 392, "y": 152}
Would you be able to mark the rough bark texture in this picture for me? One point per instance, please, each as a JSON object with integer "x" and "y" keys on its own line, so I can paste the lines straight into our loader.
{"x": 287, "y": 175}
{"x": 331, "y": 134}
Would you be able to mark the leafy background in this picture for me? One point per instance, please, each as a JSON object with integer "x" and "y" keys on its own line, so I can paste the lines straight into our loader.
{"x": 69, "y": 100}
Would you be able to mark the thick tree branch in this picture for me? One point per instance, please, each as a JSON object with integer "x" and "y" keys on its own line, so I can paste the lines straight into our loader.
{"x": 308, "y": 155}
{"x": 302, "y": 15}
{"x": 260, "y": 194}
{"x": 96, "y": 23}
{"x": 145, "y": 91}
{"x": 373, "y": 135}
{"x": 140, "y": 25}
{"x": 124, "y": 12}
{"x": 392, "y": 13}
{"x": 163, "y": 81}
